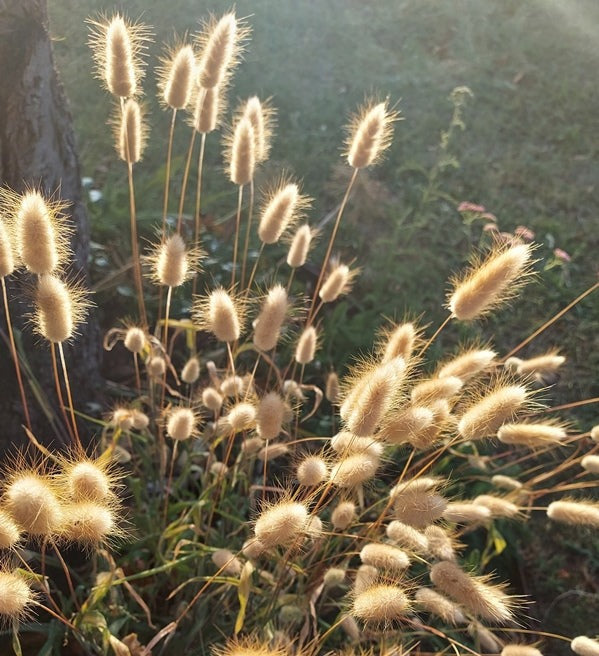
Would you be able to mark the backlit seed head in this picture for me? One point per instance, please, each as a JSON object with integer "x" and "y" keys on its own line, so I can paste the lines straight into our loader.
{"x": 339, "y": 281}
{"x": 261, "y": 116}
{"x": 209, "y": 105}
{"x": 306, "y": 346}
{"x": 521, "y": 650}
{"x": 541, "y": 364}
{"x": 220, "y": 43}
{"x": 371, "y": 396}
{"x": 156, "y": 366}
{"x": 585, "y": 646}
{"x": 232, "y": 386}
{"x": 172, "y": 263}
{"x": 270, "y": 416}
{"x": 181, "y": 424}
{"x": 416, "y": 485}
{"x": 498, "y": 506}
{"x": 15, "y": 596}
{"x": 227, "y": 562}
{"x": 41, "y": 233}
{"x": 212, "y": 399}
{"x": 271, "y": 451}
{"x": 354, "y": 470}
{"x": 130, "y": 132}
{"x": 434, "y": 389}
{"x": 252, "y": 445}
{"x": 380, "y": 605}
{"x": 577, "y": 513}
{"x": 464, "y": 512}
{"x": 311, "y": 471}
{"x": 487, "y": 640}
{"x": 59, "y": 308}
{"x": 176, "y": 77}
{"x": 468, "y": 364}
{"x": 118, "y": 45}
{"x": 486, "y": 416}
{"x": 369, "y": 134}
{"x": 506, "y": 482}
{"x": 332, "y": 392}
{"x": 242, "y": 416}
{"x": 253, "y": 548}
{"x": 491, "y": 282}
{"x": 334, "y": 576}
{"x": 140, "y": 419}
{"x": 366, "y": 576}
{"x": 399, "y": 340}
{"x": 407, "y": 425}
{"x": 240, "y": 152}
{"x": 248, "y": 646}
{"x": 191, "y": 371}
{"x": 283, "y": 523}
{"x": 87, "y": 480}
{"x": 88, "y": 523}
{"x": 595, "y": 433}
{"x": 384, "y": 557}
{"x": 135, "y": 339}
{"x": 221, "y": 314}
{"x": 343, "y": 515}
{"x": 33, "y": 504}
{"x": 7, "y": 254}
{"x": 590, "y": 463}
{"x": 9, "y": 531}
{"x": 283, "y": 206}
{"x": 532, "y": 434}
{"x": 418, "y": 508}
{"x": 300, "y": 246}
{"x": 438, "y": 605}
{"x": 487, "y": 601}
{"x": 440, "y": 543}
{"x": 267, "y": 327}
{"x": 121, "y": 418}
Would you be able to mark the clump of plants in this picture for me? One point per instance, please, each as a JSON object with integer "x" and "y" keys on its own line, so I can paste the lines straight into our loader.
{"x": 238, "y": 499}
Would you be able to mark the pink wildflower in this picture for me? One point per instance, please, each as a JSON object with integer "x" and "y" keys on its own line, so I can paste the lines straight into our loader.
{"x": 466, "y": 206}
{"x": 490, "y": 227}
{"x": 561, "y": 255}
{"x": 525, "y": 233}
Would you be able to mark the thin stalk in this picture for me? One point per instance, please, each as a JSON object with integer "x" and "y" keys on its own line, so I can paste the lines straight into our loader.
{"x": 137, "y": 376}
{"x": 237, "y": 224}
{"x": 331, "y": 242}
{"x": 185, "y": 180}
{"x": 167, "y": 489}
{"x": 167, "y": 177}
{"x": 15, "y": 356}
{"x": 67, "y": 574}
{"x": 551, "y": 321}
{"x": 291, "y": 276}
{"x": 436, "y": 334}
{"x": 69, "y": 397}
{"x": 198, "y": 213}
{"x": 59, "y": 392}
{"x": 166, "y": 316}
{"x": 247, "y": 234}
{"x": 254, "y": 269}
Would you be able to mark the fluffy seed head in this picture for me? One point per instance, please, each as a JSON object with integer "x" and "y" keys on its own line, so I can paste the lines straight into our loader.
{"x": 483, "y": 599}
{"x": 227, "y": 562}
{"x": 384, "y": 557}
{"x": 506, "y": 482}
{"x": 15, "y": 595}
{"x": 332, "y": 388}
{"x": 542, "y": 364}
{"x": 334, "y": 576}
{"x": 156, "y": 366}
{"x": 435, "y": 389}
{"x": 272, "y": 451}
{"x": 60, "y": 308}
{"x": 191, "y": 371}
{"x": 135, "y": 339}
{"x": 9, "y": 531}
{"x": 281, "y": 524}
{"x": 585, "y": 646}
{"x": 208, "y": 106}
{"x": 38, "y": 240}
{"x": 407, "y": 537}
{"x": 491, "y": 283}
{"x": 306, "y": 346}
{"x": 380, "y": 605}
{"x": 339, "y": 281}
{"x": 212, "y": 399}
{"x": 242, "y": 416}
{"x": 347, "y": 444}
{"x": 299, "y": 247}
{"x": 463, "y": 512}
{"x": 140, "y": 419}
{"x": 496, "y": 408}
{"x": 32, "y": 503}
{"x": 88, "y": 523}
{"x": 7, "y": 257}
{"x": 252, "y": 445}
{"x": 468, "y": 364}
{"x": 498, "y": 506}
{"x": 487, "y": 640}
{"x": 372, "y": 396}
{"x": 117, "y": 45}
{"x": 419, "y": 508}
{"x": 220, "y": 314}
{"x": 590, "y": 463}
{"x": 283, "y": 205}
{"x": 407, "y": 425}
{"x": 171, "y": 263}
{"x": 122, "y": 418}
{"x": 177, "y": 79}
{"x": 343, "y": 515}
{"x": 595, "y": 433}
{"x": 181, "y": 424}
{"x": 354, "y": 470}
{"x": 521, "y": 650}
{"x": 415, "y": 485}
{"x": 438, "y": 605}
{"x": 220, "y": 42}
{"x": 366, "y": 576}
{"x": 531, "y": 434}
{"x": 312, "y": 471}
{"x": 578, "y": 513}
{"x": 240, "y": 152}
{"x": 370, "y": 134}
{"x": 86, "y": 480}
{"x": 232, "y": 386}
{"x": 440, "y": 543}
{"x": 399, "y": 341}
{"x": 267, "y": 327}
{"x": 261, "y": 117}
{"x": 131, "y": 136}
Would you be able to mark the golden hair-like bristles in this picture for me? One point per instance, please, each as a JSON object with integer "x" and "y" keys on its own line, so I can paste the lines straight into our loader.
{"x": 306, "y": 346}
{"x": 369, "y": 134}
{"x": 181, "y": 423}
{"x": 438, "y": 605}
{"x": 31, "y": 500}
{"x": 300, "y": 246}
{"x": 380, "y": 605}
{"x": 532, "y": 434}
{"x": 130, "y": 132}
{"x": 572, "y": 511}
{"x": 261, "y": 115}
{"x": 176, "y": 76}
{"x": 15, "y": 596}
{"x": 7, "y": 252}
{"x": 270, "y": 416}
{"x": 384, "y": 557}
{"x": 283, "y": 206}
{"x": 221, "y": 313}
{"x": 282, "y": 523}
{"x": 171, "y": 263}
{"x": 267, "y": 327}
{"x": 338, "y": 281}
{"x": 59, "y": 308}
{"x": 343, "y": 515}
{"x": 584, "y": 646}
{"x": 468, "y": 364}
{"x": 240, "y": 152}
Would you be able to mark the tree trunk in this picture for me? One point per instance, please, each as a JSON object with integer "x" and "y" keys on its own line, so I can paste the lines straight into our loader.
{"x": 37, "y": 149}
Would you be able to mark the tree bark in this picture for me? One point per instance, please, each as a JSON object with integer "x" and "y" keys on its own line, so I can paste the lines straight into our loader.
{"x": 37, "y": 149}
